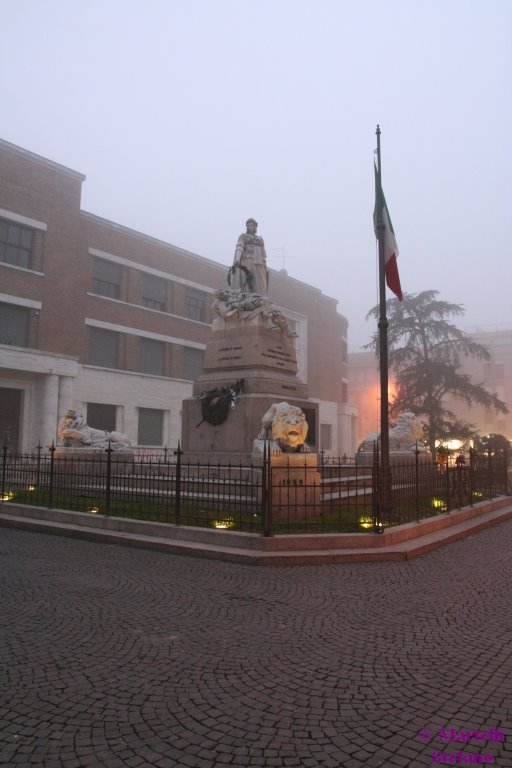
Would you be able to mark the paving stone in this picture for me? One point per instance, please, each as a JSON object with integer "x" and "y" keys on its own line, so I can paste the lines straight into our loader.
{"x": 124, "y": 657}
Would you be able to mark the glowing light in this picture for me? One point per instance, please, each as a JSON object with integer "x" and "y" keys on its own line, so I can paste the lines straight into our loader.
{"x": 366, "y": 521}
{"x": 8, "y": 495}
{"x": 477, "y": 494}
{"x": 438, "y": 504}
{"x": 94, "y": 510}
{"x": 227, "y": 523}
{"x": 453, "y": 444}
{"x": 31, "y": 488}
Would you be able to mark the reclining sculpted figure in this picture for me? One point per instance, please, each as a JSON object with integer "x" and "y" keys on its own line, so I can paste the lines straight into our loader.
{"x": 74, "y": 432}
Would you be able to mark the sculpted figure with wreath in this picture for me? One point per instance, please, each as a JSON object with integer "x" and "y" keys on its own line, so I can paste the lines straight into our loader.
{"x": 216, "y": 403}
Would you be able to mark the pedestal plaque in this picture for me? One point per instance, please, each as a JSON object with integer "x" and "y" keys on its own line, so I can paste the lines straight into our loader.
{"x": 295, "y": 486}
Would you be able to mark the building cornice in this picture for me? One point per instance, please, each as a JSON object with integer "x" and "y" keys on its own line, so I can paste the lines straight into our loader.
{"x": 15, "y": 150}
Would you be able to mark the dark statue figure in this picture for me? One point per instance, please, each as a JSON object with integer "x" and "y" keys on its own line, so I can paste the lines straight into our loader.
{"x": 249, "y": 272}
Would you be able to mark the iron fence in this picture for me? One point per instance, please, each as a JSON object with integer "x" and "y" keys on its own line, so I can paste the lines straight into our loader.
{"x": 298, "y": 494}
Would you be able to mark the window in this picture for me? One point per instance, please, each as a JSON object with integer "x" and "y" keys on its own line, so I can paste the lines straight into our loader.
{"x": 193, "y": 362}
{"x": 106, "y": 278}
{"x": 16, "y": 244}
{"x": 196, "y": 303}
{"x": 154, "y": 292}
{"x": 14, "y": 325}
{"x": 101, "y": 416}
{"x": 325, "y": 437}
{"x": 294, "y": 329}
{"x": 344, "y": 351}
{"x": 151, "y": 422}
{"x": 310, "y": 415}
{"x": 103, "y": 348}
{"x": 10, "y": 412}
{"x": 293, "y": 326}
{"x": 298, "y": 327}
{"x": 151, "y": 356}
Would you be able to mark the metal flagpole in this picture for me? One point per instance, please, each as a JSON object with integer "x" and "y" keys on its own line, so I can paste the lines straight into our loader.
{"x": 385, "y": 471}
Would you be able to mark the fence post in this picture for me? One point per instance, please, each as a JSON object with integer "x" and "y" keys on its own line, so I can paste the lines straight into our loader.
{"x": 38, "y": 464}
{"x": 52, "y": 470}
{"x": 490, "y": 473}
{"x": 447, "y": 471}
{"x": 266, "y": 490}
{"x": 4, "y": 468}
{"x": 458, "y": 468}
{"x": 108, "y": 451}
{"x": 471, "y": 475}
{"x": 178, "y": 455}
{"x": 417, "y": 471}
{"x": 378, "y": 526}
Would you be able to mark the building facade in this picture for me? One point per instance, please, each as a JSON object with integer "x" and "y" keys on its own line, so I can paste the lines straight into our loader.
{"x": 114, "y": 323}
{"x": 495, "y": 374}
{"x": 364, "y": 393}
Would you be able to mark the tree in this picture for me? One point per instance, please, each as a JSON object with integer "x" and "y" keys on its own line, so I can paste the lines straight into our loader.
{"x": 494, "y": 443}
{"x": 425, "y": 353}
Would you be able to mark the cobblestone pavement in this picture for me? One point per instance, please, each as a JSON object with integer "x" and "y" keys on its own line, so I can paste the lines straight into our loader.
{"x": 125, "y": 658}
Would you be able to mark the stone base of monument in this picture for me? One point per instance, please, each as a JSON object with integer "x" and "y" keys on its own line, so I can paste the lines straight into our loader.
{"x": 263, "y": 357}
{"x": 400, "y": 458}
{"x": 295, "y": 486}
{"x": 232, "y": 441}
{"x": 256, "y": 381}
{"x": 73, "y": 466}
{"x": 246, "y": 346}
{"x": 247, "y": 343}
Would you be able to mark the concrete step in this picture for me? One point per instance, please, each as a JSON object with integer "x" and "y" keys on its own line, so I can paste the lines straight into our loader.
{"x": 398, "y": 543}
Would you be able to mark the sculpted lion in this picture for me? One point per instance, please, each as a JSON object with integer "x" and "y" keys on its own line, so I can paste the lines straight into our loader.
{"x": 402, "y": 437}
{"x": 74, "y": 432}
{"x": 286, "y": 426}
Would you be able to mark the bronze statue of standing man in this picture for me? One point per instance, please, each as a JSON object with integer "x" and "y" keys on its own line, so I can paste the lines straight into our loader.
{"x": 249, "y": 272}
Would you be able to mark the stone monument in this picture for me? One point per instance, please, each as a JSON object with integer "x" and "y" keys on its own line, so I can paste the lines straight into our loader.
{"x": 250, "y": 363}
{"x": 295, "y": 479}
{"x": 249, "y": 273}
{"x": 74, "y": 432}
{"x": 283, "y": 430}
{"x": 404, "y": 439}
{"x": 81, "y": 450}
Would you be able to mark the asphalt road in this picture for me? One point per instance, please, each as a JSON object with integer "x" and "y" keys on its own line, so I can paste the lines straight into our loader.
{"x": 125, "y": 658}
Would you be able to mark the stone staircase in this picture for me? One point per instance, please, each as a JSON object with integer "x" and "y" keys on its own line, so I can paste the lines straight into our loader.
{"x": 394, "y": 544}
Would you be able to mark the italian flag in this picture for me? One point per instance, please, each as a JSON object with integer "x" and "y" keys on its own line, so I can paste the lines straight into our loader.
{"x": 390, "y": 246}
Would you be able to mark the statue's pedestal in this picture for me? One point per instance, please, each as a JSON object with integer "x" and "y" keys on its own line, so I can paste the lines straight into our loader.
{"x": 244, "y": 343}
{"x": 295, "y": 486}
{"x": 265, "y": 358}
{"x": 248, "y": 349}
{"x": 77, "y": 466}
{"x": 232, "y": 441}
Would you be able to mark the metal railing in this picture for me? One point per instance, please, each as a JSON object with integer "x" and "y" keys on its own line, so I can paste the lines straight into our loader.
{"x": 265, "y": 498}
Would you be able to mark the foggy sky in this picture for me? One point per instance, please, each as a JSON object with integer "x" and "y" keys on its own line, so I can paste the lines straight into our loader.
{"x": 189, "y": 116}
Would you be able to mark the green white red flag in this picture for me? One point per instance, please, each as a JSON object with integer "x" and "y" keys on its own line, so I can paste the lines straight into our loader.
{"x": 390, "y": 246}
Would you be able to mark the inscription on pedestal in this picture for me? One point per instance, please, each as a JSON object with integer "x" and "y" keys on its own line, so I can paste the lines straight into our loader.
{"x": 246, "y": 347}
{"x": 229, "y": 353}
{"x": 279, "y": 356}
{"x": 296, "y": 484}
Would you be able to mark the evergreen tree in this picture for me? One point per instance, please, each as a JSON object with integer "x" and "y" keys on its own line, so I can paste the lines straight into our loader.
{"x": 425, "y": 353}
